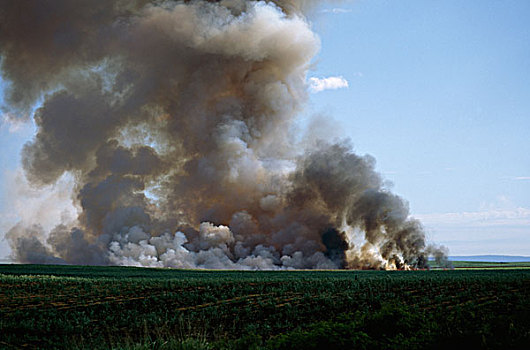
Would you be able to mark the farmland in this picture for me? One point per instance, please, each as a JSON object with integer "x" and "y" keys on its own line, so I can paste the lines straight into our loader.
{"x": 133, "y": 308}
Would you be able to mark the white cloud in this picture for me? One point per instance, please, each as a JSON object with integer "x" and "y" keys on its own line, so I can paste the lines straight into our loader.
{"x": 511, "y": 245}
{"x": 490, "y": 231}
{"x": 336, "y": 10}
{"x": 486, "y": 218}
{"x": 516, "y": 178}
{"x": 329, "y": 83}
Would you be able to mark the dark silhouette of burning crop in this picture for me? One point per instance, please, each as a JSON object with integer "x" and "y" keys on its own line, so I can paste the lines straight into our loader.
{"x": 173, "y": 120}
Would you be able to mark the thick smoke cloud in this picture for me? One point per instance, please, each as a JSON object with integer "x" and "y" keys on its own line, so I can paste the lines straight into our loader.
{"x": 174, "y": 120}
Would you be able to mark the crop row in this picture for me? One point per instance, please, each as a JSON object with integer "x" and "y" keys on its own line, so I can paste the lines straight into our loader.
{"x": 50, "y": 307}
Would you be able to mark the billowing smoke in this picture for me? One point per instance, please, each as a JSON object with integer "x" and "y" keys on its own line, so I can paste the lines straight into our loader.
{"x": 174, "y": 120}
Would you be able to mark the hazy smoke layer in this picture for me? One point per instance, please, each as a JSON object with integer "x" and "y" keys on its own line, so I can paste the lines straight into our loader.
{"x": 174, "y": 119}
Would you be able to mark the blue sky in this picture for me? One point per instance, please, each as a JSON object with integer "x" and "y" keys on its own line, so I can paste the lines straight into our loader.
{"x": 438, "y": 92}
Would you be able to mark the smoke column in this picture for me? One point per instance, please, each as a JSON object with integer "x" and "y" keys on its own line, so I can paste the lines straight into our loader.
{"x": 174, "y": 119}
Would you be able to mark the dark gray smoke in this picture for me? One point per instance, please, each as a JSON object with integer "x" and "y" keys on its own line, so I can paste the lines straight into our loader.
{"x": 174, "y": 119}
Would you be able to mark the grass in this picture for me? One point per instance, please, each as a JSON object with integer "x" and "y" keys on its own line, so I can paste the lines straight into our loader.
{"x": 80, "y": 307}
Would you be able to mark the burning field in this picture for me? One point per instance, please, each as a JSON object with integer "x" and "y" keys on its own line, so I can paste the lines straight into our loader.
{"x": 172, "y": 124}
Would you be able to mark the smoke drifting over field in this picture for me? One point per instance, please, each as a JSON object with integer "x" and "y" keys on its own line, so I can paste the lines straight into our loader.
{"x": 174, "y": 121}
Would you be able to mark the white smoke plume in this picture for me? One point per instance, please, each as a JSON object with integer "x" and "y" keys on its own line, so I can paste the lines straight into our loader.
{"x": 173, "y": 118}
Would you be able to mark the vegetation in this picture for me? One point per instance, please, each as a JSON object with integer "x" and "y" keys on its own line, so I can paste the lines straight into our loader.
{"x": 82, "y": 307}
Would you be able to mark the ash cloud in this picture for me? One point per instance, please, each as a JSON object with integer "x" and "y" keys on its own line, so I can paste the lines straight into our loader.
{"x": 173, "y": 118}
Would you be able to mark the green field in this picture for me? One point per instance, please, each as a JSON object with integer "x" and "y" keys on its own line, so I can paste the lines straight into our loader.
{"x": 69, "y": 307}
